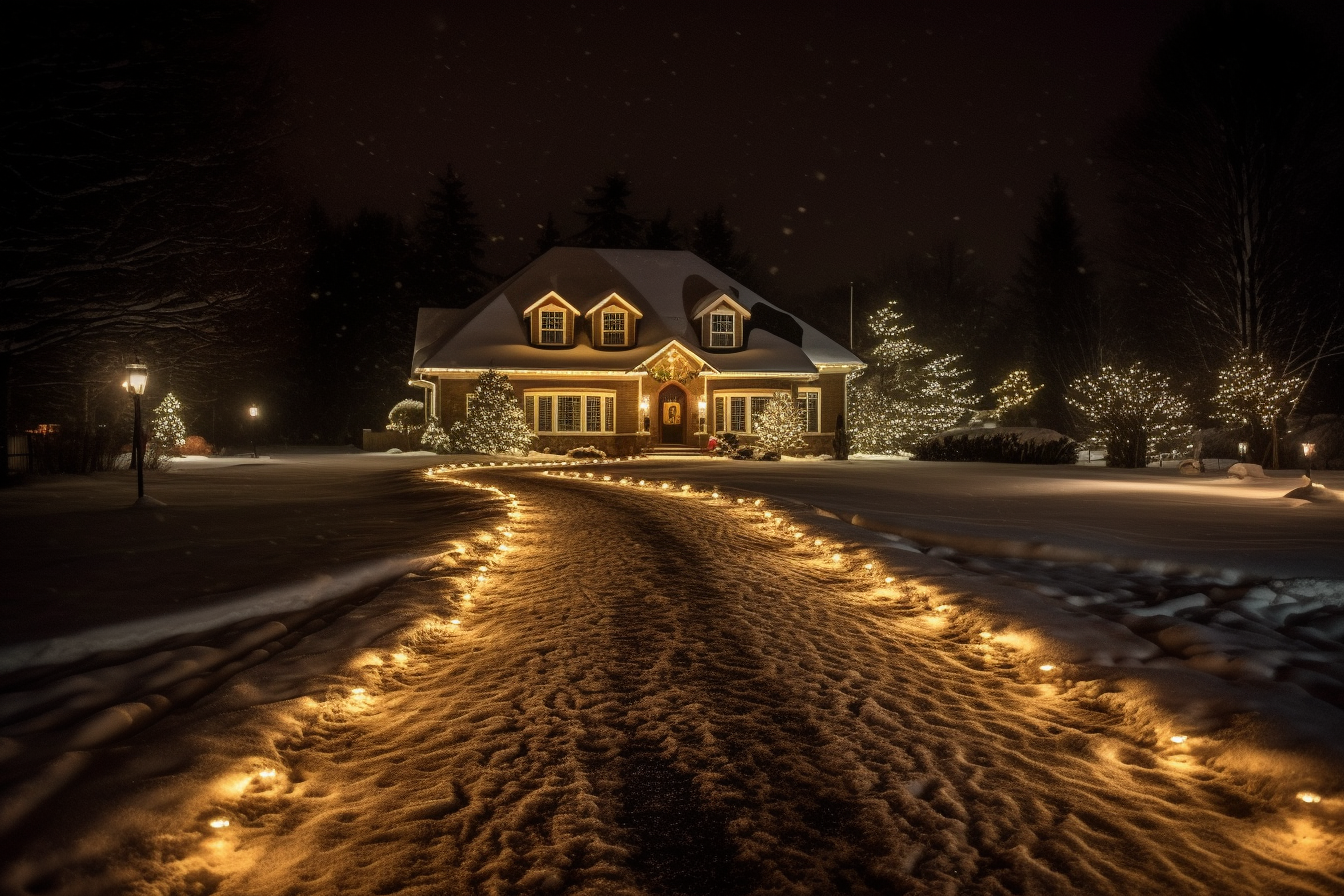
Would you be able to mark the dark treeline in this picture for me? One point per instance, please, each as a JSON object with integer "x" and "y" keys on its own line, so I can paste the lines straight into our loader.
{"x": 137, "y": 221}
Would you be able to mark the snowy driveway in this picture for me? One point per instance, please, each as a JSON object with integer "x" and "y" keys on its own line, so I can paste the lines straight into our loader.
{"x": 651, "y": 692}
{"x": 1139, "y": 515}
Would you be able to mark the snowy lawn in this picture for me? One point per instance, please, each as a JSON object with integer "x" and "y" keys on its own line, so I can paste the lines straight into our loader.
{"x": 1081, "y": 513}
{"x": 626, "y": 688}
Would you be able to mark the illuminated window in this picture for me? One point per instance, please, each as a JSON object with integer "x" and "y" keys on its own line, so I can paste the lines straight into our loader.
{"x": 721, "y": 330}
{"x": 570, "y": 411}
{"x": 739, "y": 412}
{"x": 809, "y": 405}
{"x": 613, "y": 328}
{"x": 552, "y": 328}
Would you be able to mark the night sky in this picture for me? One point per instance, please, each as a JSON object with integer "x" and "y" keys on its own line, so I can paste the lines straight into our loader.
{"x": 835, "y": 137}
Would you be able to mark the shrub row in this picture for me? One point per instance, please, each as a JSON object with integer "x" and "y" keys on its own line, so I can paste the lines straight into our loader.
{"x": 998, "y": 447}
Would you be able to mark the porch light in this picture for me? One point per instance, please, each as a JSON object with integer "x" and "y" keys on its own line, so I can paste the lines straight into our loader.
{"x": 1309, "y": 452}
{"x": 702, "y": 414}
{"x": 137, "y": 377}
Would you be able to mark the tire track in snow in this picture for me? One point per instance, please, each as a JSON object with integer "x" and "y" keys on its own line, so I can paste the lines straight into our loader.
{"x": 659, "y": 695}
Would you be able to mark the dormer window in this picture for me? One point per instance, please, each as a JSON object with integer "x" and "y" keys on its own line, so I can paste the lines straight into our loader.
{"x": 722, "y": 329}
{"x": 551, "y": 320}
{"x": 613, "y": 322}
{"x": 721, "y": 318}
{"x": 552, "y": 328}
{"x": 613, "y": 327}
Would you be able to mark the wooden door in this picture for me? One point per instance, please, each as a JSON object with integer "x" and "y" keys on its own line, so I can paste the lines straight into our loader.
{"x": 672, "y": 416}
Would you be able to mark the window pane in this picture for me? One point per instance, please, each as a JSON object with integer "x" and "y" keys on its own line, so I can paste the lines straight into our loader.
{"x": 737, "y": 414}
{"x": 553, "y": 327}
{"x": 613, "y": 328}
{"x": 808, "y": 402}
{"x": 721, "y": 330}
{"x": 530, "y": 411}
{"x": 610, "y": 423}
{"x": 593, "y": 414}
{"x": 544, "y": 413}
{"x": 471, "y": 402}
{"x": 757, "y": 406}
{"x": 567, "y": 411}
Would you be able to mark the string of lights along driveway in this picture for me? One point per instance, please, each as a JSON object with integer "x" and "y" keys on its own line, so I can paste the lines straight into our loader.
{"x": 648, "y": 688}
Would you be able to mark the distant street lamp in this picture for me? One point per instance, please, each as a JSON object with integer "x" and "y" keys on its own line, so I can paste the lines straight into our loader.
{"x": 1308, "y": 451}
{"x": 253, "y": 413}
{"x": 137, "y": 377}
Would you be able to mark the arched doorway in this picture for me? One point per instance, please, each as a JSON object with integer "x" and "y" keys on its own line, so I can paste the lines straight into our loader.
{"x": 672, "y": 406}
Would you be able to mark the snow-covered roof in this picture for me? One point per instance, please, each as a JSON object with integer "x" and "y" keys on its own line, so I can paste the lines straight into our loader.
{"x": 663, "y": 286}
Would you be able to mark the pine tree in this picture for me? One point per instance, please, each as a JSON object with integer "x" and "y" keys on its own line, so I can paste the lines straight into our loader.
{"x": 434, "y": 438}
{"x": 662, "y": 233}
{"x": 907, "y": 393}
{"x": 1132, "y": 413}
{"x": 780, "y": 427}
{"x": 449, "y": 246}
{"x": 549, "y": 237}
{"x": 167, "y": 430}
{"x": 714, "y": 240}
{"x": 1055, "y": 285}
{"x": 1014, "y": 394}
{"x": 607, "y": 222}
{"x": 496, "y": 423}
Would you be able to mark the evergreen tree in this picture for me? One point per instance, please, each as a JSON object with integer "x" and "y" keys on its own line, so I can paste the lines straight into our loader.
{"x": 1056, "y": 288}
{"x": 714, "y": 240}
{"x": 496, "y": 423}
{"x": 449, "y": 247}
{"x": 780, "y": 426}
{"x": 1014, "y": 395}
{"x": 167, "y": 431}
{"x": 608, "y": 224}
{"x": 1255, "y": 398}
{"x": 549, "y": 237}
{"x": 908, "y": 393}
{"x": 663, "y": 234}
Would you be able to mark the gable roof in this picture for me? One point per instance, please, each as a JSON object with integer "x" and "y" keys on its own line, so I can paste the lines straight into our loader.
{"x": 492, "y": 332}
{"x": 715, "y": 299}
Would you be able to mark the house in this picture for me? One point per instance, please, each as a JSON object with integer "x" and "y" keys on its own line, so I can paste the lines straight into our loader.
{"x": 628, "y": 348}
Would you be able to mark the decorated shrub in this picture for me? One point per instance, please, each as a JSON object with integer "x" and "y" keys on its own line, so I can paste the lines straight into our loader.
{"x": 586, "y": 452}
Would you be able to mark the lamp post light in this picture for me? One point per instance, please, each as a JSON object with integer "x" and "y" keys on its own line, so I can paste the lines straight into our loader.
{"x": 1308, "y": 451}
{"x": 252, "y": 414}
{"x": 137, "y": 377}
{"x": 702, "y": 414}
{"x": 644, "y": 410}
{"x": 1242, "y": 448}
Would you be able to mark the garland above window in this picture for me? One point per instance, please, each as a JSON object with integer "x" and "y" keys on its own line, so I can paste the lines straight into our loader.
{"x": 674, "y": 366}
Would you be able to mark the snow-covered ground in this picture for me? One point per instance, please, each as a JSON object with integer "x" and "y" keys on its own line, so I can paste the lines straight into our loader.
{"x": 595, "y": 686}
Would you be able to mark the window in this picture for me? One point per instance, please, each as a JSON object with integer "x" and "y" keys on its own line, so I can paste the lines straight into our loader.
{"x": 570, "y": 411}
{"x": 552, "y": 328}
{"x": 471, "y": 402}
{"x": 613, "y": 328}
{"x": 721, "y": 329}
{"x": 739, "y": 413}
{"x": 809, "y": 405}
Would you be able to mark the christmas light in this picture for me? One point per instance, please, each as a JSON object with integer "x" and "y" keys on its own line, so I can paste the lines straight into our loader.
{"x": 454, "y": 621}
{"x": 779, "y": 427}
{"x": 496, "y": 423}
{"x": 1307, "y": 796}
{"x": 1131, "y": 413}
{"x": 906, "y": 394}
{"x": 1015, "y": 391}
{"x": 835, "y": 558}
{"x": 1178, "y": 738}
{"x": 1047, "y": 667}
{"x": 167, "y": 431}
{"x": 266, "y": 774}
{"x": 218, "y": 823}
{"x": 357, "y": 691}
{"x": 890, "y": 579}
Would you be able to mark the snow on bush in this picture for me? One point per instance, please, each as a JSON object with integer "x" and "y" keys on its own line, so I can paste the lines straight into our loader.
{"x": 586, "y": 452}
{"x": 1132, "y": 413}
{"x": 907, "y": 394}
{"x": 406, "y": 416}
{"x": 1001, "y": 445}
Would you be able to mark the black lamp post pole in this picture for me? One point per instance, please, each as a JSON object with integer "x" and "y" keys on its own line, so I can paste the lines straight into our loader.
{"x": 138, "y": 450}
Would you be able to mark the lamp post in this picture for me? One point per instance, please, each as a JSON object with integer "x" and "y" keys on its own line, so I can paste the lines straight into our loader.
{"x": 137, "y": 377}
{"x": 252, "y": 414}
{"x": 644, "y": 410}
{"x": 1308, "y": 451}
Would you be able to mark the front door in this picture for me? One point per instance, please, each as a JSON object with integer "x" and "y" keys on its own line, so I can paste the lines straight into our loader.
{"x": 672, "y": 413}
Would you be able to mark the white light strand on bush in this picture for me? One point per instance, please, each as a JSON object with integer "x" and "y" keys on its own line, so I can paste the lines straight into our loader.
{"x": 1132, "y": 413}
